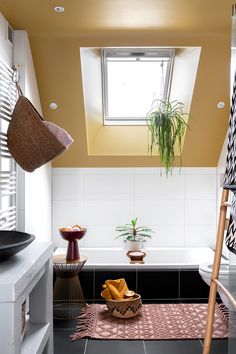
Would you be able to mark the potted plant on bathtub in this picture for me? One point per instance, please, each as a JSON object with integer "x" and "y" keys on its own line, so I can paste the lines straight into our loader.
{"x": 134, "y": 235}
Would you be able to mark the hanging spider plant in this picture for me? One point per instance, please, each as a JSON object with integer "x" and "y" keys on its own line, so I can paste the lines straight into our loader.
{"x": 166, "y": 123}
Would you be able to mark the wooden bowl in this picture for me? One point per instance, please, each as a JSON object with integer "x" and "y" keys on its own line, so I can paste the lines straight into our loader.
{"x": 72, "y": 235}
{"x": 125, "y": 308}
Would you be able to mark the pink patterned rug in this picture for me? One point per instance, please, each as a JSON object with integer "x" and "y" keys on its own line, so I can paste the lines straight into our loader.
{"x": 155, "y": 321}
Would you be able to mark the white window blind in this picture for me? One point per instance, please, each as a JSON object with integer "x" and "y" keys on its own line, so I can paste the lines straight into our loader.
{"x": 8, "y": 97}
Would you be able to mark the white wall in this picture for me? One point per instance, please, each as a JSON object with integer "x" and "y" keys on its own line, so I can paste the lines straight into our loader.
{"x": 180, "y": 208}
{"x": 34, "y": 199}
{"x": 5, "y": 45}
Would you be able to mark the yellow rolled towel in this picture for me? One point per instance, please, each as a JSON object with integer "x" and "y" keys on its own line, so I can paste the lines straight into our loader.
{"x": 122, "y": 287}
{"x": 114, "y": 292}
{"x": 106, "y": 294}
{"x": 114, "y": 289}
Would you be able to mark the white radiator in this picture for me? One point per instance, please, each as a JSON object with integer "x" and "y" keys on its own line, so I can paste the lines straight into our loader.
{"x": 8, "y": 97}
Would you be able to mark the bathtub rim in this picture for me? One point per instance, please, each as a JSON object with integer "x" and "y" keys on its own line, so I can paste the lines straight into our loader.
{"x": 151, "y": 266}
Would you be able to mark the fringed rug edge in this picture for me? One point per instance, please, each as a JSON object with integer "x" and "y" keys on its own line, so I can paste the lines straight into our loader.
{"x": 86, "y": 323}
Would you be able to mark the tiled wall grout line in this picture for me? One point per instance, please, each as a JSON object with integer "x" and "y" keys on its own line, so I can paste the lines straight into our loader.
{"x": 83, "y": 188}
{"x": 83, "y": 199}
{"x": 184, "y": 209}
{"x": 144, "y": 347}
{"x": 179, "y": 284}
{"x": 52, "y": 199}
{"x": 94, "y": 273}
{"x": 134, "y": 192}
{"x": 85, "y": 346}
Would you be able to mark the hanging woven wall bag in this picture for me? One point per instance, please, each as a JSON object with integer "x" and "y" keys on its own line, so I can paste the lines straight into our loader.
{"x": 32, "y": 141}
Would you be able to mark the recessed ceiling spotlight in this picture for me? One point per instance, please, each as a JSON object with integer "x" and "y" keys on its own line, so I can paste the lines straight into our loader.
{"x": 59, "y": 8}
{"x": 53, "y": 105}
{"x": 221, "y": 105}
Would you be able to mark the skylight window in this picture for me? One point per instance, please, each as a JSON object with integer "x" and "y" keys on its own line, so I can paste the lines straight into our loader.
{"x": 132, "y": 79}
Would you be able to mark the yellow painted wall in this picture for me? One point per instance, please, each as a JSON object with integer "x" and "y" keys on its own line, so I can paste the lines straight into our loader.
{"x": 56, "y": 40}
{"x": 57, "y": 62}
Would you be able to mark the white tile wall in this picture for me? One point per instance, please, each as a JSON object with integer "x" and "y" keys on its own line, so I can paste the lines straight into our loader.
{"x": 146, "y": 187}
{"x": 200, "y": 187}
{"x": 108, "y": 187}
{"x": 160, "y": 212}
{"x": 68, "y": 187}
{"x": 181, "y": 209}
{"x": 200, "y": 211}
{"x": 34, "y": 192}
{"x": 200, "y": 235}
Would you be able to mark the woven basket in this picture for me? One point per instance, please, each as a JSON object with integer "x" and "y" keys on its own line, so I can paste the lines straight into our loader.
{"x": 30, "y": 141}
{"x": 125, "y": 308}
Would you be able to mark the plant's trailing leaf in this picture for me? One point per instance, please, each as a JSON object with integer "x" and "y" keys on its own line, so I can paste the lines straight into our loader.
{"x": 124, "y": 234}
{"x": 144, "y": 235}
{"x": 124, "y": 228}
{"x": 130, "y": 238}
{"x": 166, "y": 124}
{"x": 144, "y": 228}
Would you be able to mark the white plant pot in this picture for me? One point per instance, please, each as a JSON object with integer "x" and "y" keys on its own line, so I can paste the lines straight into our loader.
{"x": 134, "y": 246}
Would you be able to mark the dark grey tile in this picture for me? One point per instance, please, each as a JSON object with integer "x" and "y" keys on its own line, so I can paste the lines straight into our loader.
{"x": 192, "y": 286}
{"x": 161, "y": 284}
{"x": 219, "y": 346}
{"x": 63, "y": 343}
{"x": 64, "y": 311}
{"x": 65, "y": 324}
{"x": 102, "y": 275}
{"x": 86, "y": 278}
{"x": 173, "y": 347}
{"x": 232, "y": 346}
{"x": 100, "y": 301}
{"x": 115, "y": 347}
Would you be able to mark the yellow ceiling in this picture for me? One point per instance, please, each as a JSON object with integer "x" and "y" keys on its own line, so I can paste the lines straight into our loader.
{"x": 86, "y": 16}
{"x": 56, "y": 39}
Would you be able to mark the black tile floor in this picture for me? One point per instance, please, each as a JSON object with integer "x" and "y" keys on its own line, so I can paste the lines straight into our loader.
{"x": 63, "y": 344}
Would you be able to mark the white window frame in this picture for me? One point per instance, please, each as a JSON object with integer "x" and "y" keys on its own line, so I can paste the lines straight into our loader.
{"x": 133, "y": 53}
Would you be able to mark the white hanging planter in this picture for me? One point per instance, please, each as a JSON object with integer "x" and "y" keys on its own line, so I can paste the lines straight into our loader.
{"x": 134, "y": 246}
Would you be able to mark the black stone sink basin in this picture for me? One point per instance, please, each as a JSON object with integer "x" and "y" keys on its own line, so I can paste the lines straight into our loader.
{"x": 12, "y": 242}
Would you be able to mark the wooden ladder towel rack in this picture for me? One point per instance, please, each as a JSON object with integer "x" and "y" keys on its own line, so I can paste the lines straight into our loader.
{"x": 229, "y": 185}
{"x": 215, "y": 283}
{"x": 215, "y": 272}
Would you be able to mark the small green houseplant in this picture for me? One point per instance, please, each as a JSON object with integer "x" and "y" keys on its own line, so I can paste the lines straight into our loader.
{"x": 166, "y": 123}
{"x": 133, "y": 234}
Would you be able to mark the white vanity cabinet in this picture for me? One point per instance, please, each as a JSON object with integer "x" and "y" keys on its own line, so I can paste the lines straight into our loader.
{"x": 27, "y": 275}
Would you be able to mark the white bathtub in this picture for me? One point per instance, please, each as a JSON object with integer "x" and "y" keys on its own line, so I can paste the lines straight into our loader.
{"x": 163, "y": 258}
